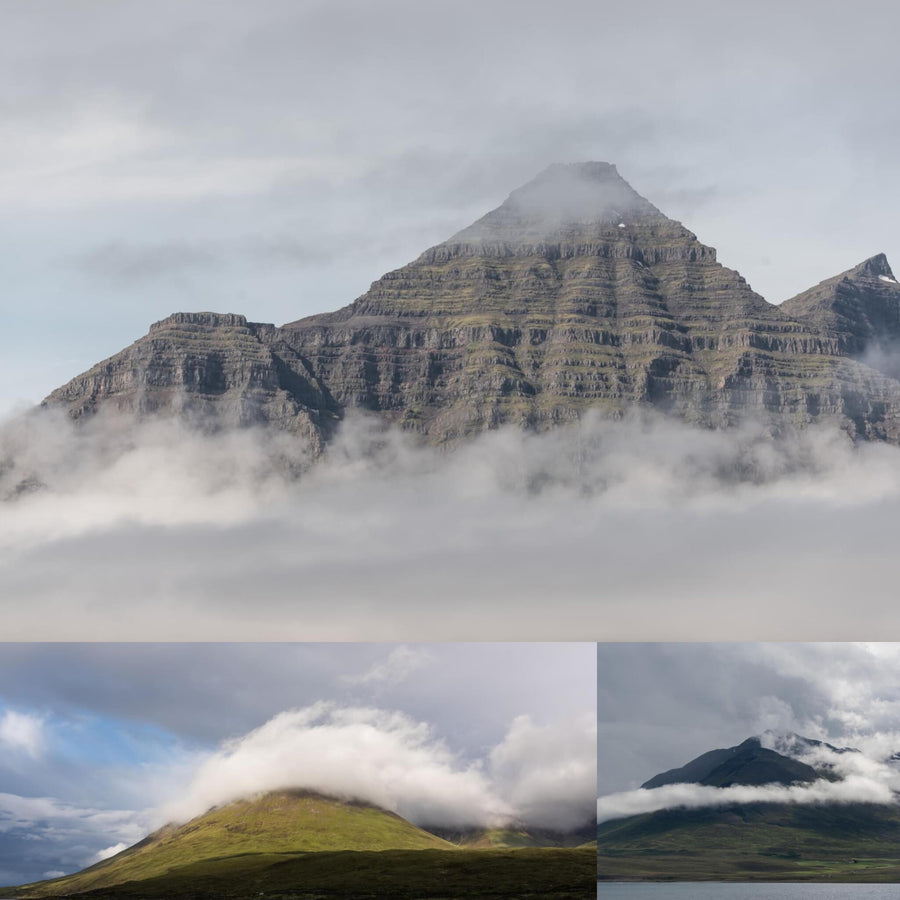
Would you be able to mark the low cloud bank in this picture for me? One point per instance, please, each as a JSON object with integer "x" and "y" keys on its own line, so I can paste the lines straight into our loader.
{"x": 537, "y": 776}
{"x": 238, "y": 535}
{"x": 855, "y": 789}
{"x": 860, "y": 778}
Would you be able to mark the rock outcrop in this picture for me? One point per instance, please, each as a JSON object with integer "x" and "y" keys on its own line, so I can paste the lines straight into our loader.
{"x": 575, "y": 294}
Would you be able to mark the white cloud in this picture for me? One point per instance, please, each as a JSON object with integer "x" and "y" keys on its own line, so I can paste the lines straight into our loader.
{"x": 201, "y": 522}
{"x": 22, "y": 812}
{"x": 853, "y": 789}
{"x": 548, "y": 772}
{"x": 381, "y": 757}
{"x": 107, "y": 852}
{"x": 539, "y": 775}
{"x": 21, "y": 731}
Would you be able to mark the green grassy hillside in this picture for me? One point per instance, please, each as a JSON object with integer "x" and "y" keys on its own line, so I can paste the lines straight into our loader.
{"x": 285, "y": 822}
{"x": 772, "y": 842}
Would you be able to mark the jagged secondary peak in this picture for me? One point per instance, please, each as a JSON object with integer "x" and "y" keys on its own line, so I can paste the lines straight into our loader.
{"x": 562, "y": 195}
{"x": 859, "y": 307}
{"x": 876, "y": 266}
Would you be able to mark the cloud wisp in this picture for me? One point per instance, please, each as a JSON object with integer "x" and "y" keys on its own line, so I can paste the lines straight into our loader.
{"x": 400, "y": 664}
{"x": 22, "y": 732}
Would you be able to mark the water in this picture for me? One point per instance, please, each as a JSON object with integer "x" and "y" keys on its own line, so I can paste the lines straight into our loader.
{"x": 717, "y": 890}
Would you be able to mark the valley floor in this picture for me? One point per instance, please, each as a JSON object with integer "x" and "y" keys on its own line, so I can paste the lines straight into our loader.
{"x": 528, "y": 874}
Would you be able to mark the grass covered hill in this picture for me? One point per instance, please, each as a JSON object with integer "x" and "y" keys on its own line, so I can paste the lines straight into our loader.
{"x": 298, "y": 844}
{"x": 759, "y": 841}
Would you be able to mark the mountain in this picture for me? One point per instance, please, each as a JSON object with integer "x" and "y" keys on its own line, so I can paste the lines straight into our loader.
{"x": 297, "y": 843}
{"x": 747, "y": 763}
{"x": 282, "y": 822}
{"x": 575, "y": 294}
{"x": 740, "y": 841}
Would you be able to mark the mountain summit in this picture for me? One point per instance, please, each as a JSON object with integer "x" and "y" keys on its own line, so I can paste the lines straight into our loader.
{"x": 561, "y": 198}
{"x": 575, "y": 294}
{"x": 748, "y": 763}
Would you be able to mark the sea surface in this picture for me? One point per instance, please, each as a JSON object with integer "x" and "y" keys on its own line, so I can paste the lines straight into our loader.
{"x": 714, "y": 890}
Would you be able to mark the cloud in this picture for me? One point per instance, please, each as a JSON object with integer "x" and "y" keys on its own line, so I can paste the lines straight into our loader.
{"x": 42, "y": 835}
{"x": 547, "y": 773}
{"x": 127, "y": 265}
{"x": 21, "y": 731}
{"x": 854, "y": 789}
{"x": 855, "y": 777}
{"x": 539, "y": 776}
{"x": 660, "y": 705}
{"x": 107, "y": 852}
{"x": 343, "y": 549}
{"x": 382, "y": 757}
{"x": 400, "y": 664}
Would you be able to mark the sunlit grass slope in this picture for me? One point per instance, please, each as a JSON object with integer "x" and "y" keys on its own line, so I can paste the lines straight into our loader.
{"x": 276, "y": 823}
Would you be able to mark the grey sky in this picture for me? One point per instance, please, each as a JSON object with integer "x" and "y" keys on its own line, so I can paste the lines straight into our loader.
{"x": 661, "y": 705}
{"x": 209, "y": 692}
{"x": 274, "y": 158}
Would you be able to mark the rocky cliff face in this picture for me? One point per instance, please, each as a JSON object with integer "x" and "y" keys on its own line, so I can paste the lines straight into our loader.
{"x": 576, "y": 293}
{"x": 213, "y": 369}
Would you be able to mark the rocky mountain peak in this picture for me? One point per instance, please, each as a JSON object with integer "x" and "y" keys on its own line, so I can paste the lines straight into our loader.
{"x": 874, "y": 267}
{"x": 562, "y": 196}
{"x": 747, "y": 763}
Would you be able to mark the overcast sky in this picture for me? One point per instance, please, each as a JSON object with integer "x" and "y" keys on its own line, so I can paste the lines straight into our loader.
{"x": 273, "y": 158}
{"x": 99, "y": 743}
{"x": 662, "y": 705}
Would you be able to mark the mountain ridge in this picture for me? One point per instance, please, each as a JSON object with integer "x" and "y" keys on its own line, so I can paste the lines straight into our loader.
{"x": 575, "y": 294}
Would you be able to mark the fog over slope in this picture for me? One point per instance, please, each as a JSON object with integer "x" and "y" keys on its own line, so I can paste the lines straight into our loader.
{"x": 630, "y": 529}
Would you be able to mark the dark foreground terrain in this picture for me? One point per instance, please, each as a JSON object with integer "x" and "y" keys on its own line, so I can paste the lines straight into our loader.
{"x": 527, "y": 874}
{"x": 754, "y": 842}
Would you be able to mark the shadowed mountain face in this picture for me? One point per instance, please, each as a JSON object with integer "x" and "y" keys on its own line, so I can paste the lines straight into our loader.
{"x": 748, "y": 763}
{"x": 575, "y": 294}
{"x": 764, "y": 841}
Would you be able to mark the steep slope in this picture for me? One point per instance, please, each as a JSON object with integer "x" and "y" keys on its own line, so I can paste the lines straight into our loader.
{"x": 859, "y": 308}
{"x": 215, "y": 370}
{"x": 575, "y": 294}
{"x": 747, "y": 763}
{"x": 277, "y": 823}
